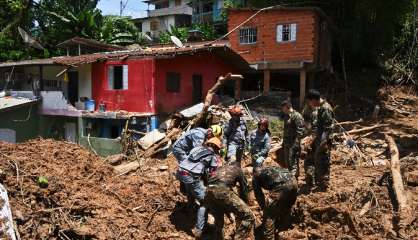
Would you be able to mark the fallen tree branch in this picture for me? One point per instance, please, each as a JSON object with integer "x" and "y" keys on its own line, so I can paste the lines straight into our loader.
{"x": 398, "y": 187}
{"x": 209, "y": 96}
{"x": 355, "y": 131}
{"x": 152, "y": 216}
{"x": 350, "y": 122}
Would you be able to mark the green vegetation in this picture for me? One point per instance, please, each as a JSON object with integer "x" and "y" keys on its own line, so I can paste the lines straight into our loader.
{"x": 53, "y": 21}
{"x": 208, "y": 33}
{"x": 368, "y": 34}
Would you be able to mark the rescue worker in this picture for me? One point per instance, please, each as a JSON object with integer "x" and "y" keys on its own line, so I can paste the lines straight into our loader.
{"x": 259, "y": 142}
{"x": 293, "y": 131}
{"x": 282, "y": 187}
{"x": 235, "y": 134}
{"x": 194, "y": 138}
{"x": 323, "y": 139}
{"x": 202, "y": 161}
{"x": 310, "y": 115}
{"x": 221, "y": 199}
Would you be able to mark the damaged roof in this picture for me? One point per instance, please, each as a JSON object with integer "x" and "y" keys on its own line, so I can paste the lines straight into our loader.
{"x": 220, "y": 48}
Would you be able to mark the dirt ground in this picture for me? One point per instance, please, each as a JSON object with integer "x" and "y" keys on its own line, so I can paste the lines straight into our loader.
{"x": 85, "y": 200}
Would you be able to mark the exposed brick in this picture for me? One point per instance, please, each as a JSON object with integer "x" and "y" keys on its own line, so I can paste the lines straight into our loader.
{"x": 267, "y": 47}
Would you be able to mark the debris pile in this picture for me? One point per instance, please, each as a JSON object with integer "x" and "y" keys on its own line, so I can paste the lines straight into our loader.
{"x": 58, "y": 190}
{"x": 81, "y": 198}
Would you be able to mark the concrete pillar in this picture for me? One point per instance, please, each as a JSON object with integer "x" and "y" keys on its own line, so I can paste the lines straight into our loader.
{"x": 266, "y": 88}
{"x": 238, "y": 86}
{"x": 302, "y": 86}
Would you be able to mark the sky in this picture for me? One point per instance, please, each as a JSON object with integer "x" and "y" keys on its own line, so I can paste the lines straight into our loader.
{"x": 134, "y": 8}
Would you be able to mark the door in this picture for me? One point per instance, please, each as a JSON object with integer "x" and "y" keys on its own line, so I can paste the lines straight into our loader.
{"x": 73, "y": 87}
{"x": 197, "y": 88}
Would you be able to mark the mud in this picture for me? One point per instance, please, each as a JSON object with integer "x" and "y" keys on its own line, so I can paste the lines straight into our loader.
{"x": 85, "y": 200}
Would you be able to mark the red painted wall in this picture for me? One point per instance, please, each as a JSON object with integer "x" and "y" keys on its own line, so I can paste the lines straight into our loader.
{"x": 140, "y": 95}
{"x": 209, "y": 65}
{"x": 267, "y": 48}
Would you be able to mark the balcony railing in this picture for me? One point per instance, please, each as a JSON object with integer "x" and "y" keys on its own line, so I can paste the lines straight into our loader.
{"x": 185, "y": 9}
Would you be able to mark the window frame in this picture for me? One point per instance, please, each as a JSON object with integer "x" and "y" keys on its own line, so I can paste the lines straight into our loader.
{"x": 292, "y": 32}
{"x": 111, "y": 80}
{"x": 248, "y": 35}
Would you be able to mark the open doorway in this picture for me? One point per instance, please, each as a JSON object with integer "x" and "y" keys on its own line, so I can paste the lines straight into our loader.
{"x": 73, "y": 87}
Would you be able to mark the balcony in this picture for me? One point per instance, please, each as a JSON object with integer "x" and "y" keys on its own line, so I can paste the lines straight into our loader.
{"x": 179, "y": 10}
{"x": 208, "y": 17}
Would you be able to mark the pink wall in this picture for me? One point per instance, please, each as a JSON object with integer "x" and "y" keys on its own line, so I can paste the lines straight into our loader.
{"x": 140, "y": 95}
{"x": 208, "y": 65}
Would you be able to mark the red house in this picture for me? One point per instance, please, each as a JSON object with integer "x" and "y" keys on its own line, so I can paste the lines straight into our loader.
{"x": 157, "y": 80}
{"x": 283, "y": 45}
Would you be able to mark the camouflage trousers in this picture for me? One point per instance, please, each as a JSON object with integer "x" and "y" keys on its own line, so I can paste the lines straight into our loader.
{"x": 291, "y": 156}
{"x": 276, "y": 214}
{"x": 309, "y": 165}
{"x": 322, "y": 165}
{"x": 221, "y": 200}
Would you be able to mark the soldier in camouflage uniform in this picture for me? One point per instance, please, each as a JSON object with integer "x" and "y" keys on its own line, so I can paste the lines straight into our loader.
{"x": 310, "y": 117}
{"x": 293, "y": 131}
{"x": 221, "y": 199}
{"x": 259, "y": 142}
{"x": 235, "y": 135}
{"x": 323, "y": 139}
{"x": 282, "y": 186}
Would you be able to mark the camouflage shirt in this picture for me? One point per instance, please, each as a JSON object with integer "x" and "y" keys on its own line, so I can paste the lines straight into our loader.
{"x": 229, "y": 175}
{"x": 310, "y": 117}
{"x": 271, "y": 179}
{"x": 293, "y": 129}
{"x": 325, "y": 119}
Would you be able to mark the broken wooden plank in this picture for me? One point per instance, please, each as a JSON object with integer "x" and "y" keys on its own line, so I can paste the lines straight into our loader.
{"x": 125, "y": 168}
{"x": 132, "y": 166}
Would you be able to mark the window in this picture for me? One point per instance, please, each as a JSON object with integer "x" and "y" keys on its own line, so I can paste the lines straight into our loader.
{"x": 173, "y": 82}
{"x": 117, "y": 76}
{"x": 286, "y": 32}
{"x": 248, "y": 35}
{"x": 163, "y": 4}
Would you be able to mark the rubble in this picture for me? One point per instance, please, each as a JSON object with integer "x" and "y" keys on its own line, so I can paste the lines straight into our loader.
{"x": 87, "y": 198}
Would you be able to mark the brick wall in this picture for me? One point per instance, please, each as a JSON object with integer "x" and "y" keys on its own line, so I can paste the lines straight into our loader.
{"x": 267, "y": 48}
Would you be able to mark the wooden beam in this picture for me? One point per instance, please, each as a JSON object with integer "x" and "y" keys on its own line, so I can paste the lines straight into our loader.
{"x": 302, "y": 87}
{"x": 266, "y": 88}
